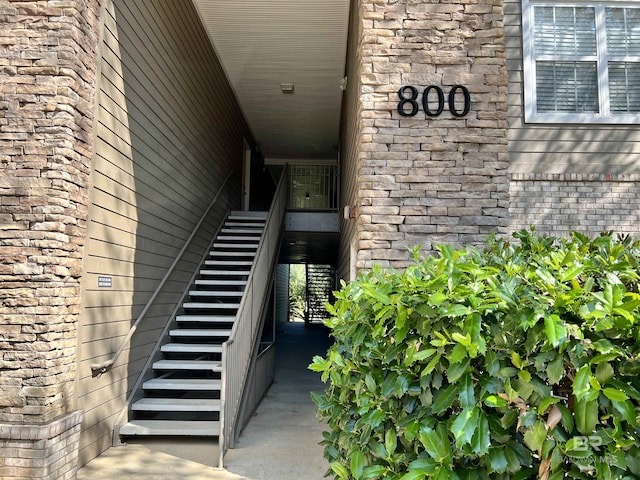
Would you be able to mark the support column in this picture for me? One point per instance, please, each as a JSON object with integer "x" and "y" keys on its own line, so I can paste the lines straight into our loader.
{"x": 47, "y": 79}
{"x": 432, "y": 172}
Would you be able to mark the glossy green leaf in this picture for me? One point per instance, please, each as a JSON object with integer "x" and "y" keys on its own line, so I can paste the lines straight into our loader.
{"x": 445, "y": 398}
{"x": 457, "y": 354}
{"x": 616, "y": 395}
{"x": 377, "y": 295}
{"x": 497, "y": 460}
{"x": 464, "y": 340}
{"x": 535, "y": 436}
{"x": 495, "y": 401}
{"x": 435, "y": 443}
{"x": 445, "y": 474}
{"x": 581, "y": 383}
{"x": 586, "y": 415}
{"x": 340, "y": 470}
{"x": 373, "y": 472}
{"x": 555, "y": 370}
{"x": 555, "y": 330}
{"x": 455, "y": 371}
{"x": 604, "y": 373}
{"x": 370, "y": 382}
{"x": 390, "y": 441}
{"x": 424, "y": 465}
{"x": 627, "y": 411}
{"x": 466, "y": 392}
{"x": 357, "y": 464}
{"x": 481, "y": 440}
{"x": 465, "y": 425}
{"x": 413, "y": 475}
{"x": 422, "y": 355}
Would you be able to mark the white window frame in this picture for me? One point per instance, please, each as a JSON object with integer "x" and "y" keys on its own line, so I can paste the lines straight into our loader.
{"x": 529, "y": 64}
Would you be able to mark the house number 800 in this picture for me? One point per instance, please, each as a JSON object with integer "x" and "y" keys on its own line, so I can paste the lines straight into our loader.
{"x": 408, "y": 105}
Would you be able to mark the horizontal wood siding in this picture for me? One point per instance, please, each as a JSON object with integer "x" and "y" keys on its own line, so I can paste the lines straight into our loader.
{"x": 350, "y": 143}
{"x": 553, "y": 148}
{"x": 169, "y": 130}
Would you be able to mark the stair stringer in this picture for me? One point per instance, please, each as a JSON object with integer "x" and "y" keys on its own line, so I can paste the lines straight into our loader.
{"x": 149, "y": 371}
{"x": 248, "y": 326}
{"x": 251, "y": 400}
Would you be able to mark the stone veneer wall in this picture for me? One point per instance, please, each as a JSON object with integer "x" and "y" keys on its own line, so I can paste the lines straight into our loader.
{"x": 431, "y": 180}
{"x": 47, "y": 79}
{"x": 589, "y": 203}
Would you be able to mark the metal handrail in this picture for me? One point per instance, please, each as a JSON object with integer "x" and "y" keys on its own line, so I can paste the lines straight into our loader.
{"x": 237, "y": 350}
{"x": 98, "y": 369}
{"x": 161, "y": 338}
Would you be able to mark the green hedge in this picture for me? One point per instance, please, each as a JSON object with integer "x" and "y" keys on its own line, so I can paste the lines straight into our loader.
{"x": 520, "y": 361}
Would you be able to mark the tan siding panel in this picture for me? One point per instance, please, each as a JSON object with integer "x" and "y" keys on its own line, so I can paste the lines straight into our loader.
{"x": 169, "y": 130}
{"x": 557, "y": 148}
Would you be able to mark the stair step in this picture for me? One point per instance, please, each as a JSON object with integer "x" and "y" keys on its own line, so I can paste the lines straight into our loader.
{"x": 235, "y": 283}
{"x": 211, "y": 305}
{"x": 235, "y": 245}
{"x": 206, "y": 384}
{"x": 177, "y": 405}
{"x": 238, "y": 231}
{"x": 215, "y": 293}
{"x": 239, "y": 238}
{"x": 199, "y": 332}
{"x": 191, "y": 348}
{"x": 218, "y": 253}
{"x": 171, "y": 428}
{"x": 187, "y": 365}
{"x": 206, "y": 318}
{"x": 228, "y": 262}
{"x": 262, "y": 214}
{"x": 224, "y": 272}
{"x": 244, "y": 229}
{"x": 252, "y": 220}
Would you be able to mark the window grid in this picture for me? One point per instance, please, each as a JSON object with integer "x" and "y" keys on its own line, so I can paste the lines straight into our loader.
{"x": 615, "y": 93}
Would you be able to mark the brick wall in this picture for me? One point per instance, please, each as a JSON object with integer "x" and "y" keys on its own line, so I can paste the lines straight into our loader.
{"x": 431, "y": 180}
{"x": 44, "y": 451}
{"x": 589, "y": 203}
{"x": 47, "y": 76}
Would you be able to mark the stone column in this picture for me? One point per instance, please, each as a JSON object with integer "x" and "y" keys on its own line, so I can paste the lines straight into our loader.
{"x": 47, "y": 80}
{"x": 440, "y": 178}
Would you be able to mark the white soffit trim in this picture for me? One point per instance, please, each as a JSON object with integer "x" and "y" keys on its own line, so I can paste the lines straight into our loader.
{"x": 265, "y": 43}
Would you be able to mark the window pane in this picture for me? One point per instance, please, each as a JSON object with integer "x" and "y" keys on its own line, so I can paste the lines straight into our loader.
{"x": 564, "y": 31}
{"x": 624, "y": 86}
{"x": 567, "y": 87}
{"x": 623, "y": 31}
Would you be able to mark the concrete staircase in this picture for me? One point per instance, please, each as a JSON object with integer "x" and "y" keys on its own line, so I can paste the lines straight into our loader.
{"x": 183, "y": 395}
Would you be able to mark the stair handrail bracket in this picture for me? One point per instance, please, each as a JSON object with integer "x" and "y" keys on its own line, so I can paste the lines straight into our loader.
{"x": 97, "y": 369}
{"x": 237, "y": 350}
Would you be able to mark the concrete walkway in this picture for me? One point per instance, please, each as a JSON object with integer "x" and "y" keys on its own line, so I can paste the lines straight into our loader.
{"x": 279, "y": 443}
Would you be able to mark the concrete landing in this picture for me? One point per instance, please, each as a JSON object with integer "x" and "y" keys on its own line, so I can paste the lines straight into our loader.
{"x": 139, "y": 462}
{"x": 279, "y": 443}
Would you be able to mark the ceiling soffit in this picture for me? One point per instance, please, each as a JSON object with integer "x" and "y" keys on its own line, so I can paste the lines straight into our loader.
{"x": 265, "y": 43}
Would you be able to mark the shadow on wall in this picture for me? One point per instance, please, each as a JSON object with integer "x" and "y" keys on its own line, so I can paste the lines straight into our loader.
{"x": 169, "y": 131}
